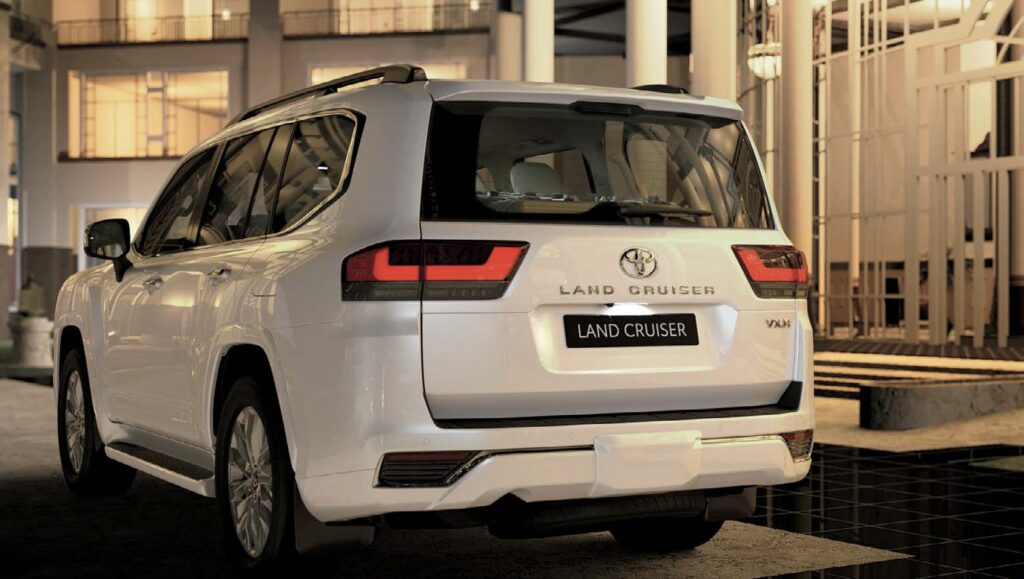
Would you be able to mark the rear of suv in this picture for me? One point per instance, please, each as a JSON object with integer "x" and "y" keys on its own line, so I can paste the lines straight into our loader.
{"x": 547, "y": 309}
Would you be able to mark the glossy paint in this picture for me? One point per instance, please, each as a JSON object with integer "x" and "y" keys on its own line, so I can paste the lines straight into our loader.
{"x": 355, "y": 380}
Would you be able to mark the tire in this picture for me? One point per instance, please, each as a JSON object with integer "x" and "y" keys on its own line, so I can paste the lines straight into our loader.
{"x": 86, "y": 468}
{"x": 256, "y": 549}
{"x": 665, "y": 535}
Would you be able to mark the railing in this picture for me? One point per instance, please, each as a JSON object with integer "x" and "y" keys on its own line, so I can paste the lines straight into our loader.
{"x": 28, "y": 30}
{"x": 150, "y": 30}
{"x": 437, "y": 16}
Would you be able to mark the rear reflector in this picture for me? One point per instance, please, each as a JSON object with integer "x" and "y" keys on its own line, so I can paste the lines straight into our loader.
{"x": 774, "y": 271}
{"x": 424, "y": 469}
{"x": 431, "y": 270}
{"x": 800, "y": 444}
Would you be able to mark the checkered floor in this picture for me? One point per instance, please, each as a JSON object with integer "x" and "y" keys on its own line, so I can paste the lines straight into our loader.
{"x": 951, "y": 510}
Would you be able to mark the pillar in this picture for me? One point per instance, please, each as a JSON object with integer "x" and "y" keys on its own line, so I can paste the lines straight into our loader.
{"x": 508, "y": 46}
{"x": 7, "y": 277}
{"x": 797, "y": 125}
{"x": 646, "y": 41}
{"x": 263, "y": 54}
{"x": 539, "y": 40}
{"x": 1017, "y": 210}
{"x": 713, "y": 31}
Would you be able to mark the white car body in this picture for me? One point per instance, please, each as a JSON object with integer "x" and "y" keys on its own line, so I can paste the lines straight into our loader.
{"x": 356, "y": 380}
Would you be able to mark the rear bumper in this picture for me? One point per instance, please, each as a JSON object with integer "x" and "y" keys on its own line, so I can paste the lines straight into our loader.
{"x": 616, "y": 465}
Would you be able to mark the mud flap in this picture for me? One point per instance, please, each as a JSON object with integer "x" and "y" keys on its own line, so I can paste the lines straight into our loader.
{"x": 313, "y": 537}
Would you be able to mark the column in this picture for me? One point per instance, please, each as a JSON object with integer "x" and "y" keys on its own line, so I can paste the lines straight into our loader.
{"x": 508, "y": 46}
{"x": 1017, "y": 209}
{"x": 647, "y": 41}
{"x": 7, "y": 277}
{"x": 713, "y": 30}
{"x": 263, "y": 55}
{"x": 46, "y": 231}
{"x": 797, "y": 129}
{"x": 539, "y": 40}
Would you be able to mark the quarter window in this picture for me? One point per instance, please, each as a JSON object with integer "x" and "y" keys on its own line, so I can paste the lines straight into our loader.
{"x": 169, "y": 226}
{"x": 315, "y": 167}
{"x": 227, "y": 205}
{"x": 266, "y": 188}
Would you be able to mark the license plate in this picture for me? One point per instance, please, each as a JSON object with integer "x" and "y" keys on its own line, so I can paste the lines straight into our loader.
{"x": 631, "y": 331}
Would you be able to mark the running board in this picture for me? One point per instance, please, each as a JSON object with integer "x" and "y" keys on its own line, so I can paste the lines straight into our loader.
{"x": 167, "y": 468}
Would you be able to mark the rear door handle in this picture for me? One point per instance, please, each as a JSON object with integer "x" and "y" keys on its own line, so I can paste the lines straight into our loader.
{"x": 153, "y": 283}
{"x": 219, "y": 274}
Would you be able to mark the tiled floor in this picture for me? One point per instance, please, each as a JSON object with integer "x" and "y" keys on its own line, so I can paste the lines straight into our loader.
{"x": 953, "y": 517}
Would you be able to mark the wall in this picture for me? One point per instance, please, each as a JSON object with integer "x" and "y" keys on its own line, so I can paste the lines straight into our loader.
{"x": 300, "y": 56}
{"x": 611, "y": 70}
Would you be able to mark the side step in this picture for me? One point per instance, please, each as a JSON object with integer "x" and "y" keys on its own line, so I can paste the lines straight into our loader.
{"x": 178, "y": 472}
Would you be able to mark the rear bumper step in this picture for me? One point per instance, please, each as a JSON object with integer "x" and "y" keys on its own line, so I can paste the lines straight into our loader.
{"x": 788, "y": 402}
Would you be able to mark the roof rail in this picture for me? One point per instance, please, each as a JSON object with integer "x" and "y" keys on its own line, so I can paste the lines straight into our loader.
{"x": 663, "y": 88}
{"x": 396, "y": 73}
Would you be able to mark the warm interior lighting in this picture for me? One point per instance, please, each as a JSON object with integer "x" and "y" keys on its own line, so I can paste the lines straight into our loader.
{"x": 225, "y": 14}
{"x": 765, "y": 60}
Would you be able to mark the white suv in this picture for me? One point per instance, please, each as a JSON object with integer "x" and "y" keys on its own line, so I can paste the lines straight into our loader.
{"x": 543, "y": 308}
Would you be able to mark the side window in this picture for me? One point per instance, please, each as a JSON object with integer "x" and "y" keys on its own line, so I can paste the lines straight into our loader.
{"x": 266, "y": 188}
{"x": 227, "y": 205}
{"x": 315, "y": 167}
{"x": 168, "y": 227}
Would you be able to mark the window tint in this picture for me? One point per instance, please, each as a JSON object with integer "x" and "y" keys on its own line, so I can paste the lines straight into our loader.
{"x": 168, "y": 227}
{"x": 315, "y": 167}
{"x": 499, "y": 162}
{"x": 266, "y": 188}
{"x": 224, "y": 216}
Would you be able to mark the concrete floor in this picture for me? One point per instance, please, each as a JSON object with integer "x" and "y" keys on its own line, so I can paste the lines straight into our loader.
{"x": 158, "y": 530}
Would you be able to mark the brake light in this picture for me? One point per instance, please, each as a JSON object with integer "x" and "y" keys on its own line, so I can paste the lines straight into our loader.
{"x": 431, "y": 270}
{"x": 774, "y": 271}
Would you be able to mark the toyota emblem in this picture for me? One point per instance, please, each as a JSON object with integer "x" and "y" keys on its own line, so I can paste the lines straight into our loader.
{"x": 638, "y": 263}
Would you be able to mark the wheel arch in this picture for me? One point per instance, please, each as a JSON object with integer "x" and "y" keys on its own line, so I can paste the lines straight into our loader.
{"x": 247, "y": 359}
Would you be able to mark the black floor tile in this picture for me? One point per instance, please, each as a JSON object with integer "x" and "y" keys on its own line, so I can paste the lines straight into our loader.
{"x": 898, "y": 568}
{"x": 950, "y": 528}
{"x": 1011, "y": 518}
{"x": 947, "y": 506}
{"x": 1012, "y": 542}
{"x": 999, "y": 498}
{"x": 872, "y": 514}
{"x": 966, "y": 556}
{"x": 1014, "y": 571}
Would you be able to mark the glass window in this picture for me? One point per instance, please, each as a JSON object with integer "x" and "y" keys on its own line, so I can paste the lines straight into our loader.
{"x": 227, "y": 204}
{"x": 315, "y": 167}
{"x": 146, "y": 114}
{"x": 170, "y": 224}
{"x": 266, "y": 188}
{"x": 491, "y": 161}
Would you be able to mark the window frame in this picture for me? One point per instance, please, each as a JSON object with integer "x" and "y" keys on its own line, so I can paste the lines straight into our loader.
{"x": 204, "y": 190}
{"x": 220, "y": 145}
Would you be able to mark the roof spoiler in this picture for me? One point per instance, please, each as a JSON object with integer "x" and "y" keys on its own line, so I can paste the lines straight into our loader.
{"x": 662, "y": 88}
{"x": 396, "y": 73}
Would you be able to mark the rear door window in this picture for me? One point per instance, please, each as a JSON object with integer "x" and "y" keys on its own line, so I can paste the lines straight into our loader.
{"x": 316, "y": 167}
{"x": 227, "y": 205}
{"x": 170, "y": 226}
{"x": 501, "y": 162}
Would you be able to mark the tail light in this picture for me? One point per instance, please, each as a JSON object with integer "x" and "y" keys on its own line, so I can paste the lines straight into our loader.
{"x": 431, "y": 270}
{"x": 774, "y": 271}
{"x": 800, "y": 444}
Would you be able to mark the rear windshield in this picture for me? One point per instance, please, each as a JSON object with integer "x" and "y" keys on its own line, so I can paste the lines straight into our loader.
{"x": 578, "y": 164}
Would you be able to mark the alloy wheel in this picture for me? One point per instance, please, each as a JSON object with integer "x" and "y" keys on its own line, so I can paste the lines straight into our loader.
{"x": 250, "y": 481}
{"x": 74, "y": 421}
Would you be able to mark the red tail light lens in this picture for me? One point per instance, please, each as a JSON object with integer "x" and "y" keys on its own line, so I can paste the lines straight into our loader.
{"x": 800, "y": 444}
{"x": 431, "y": 270}
{"x": 774, "y": 271}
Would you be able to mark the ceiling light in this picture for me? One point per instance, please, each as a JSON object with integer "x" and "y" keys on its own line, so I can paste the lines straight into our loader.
{"x": 765, "y": 60}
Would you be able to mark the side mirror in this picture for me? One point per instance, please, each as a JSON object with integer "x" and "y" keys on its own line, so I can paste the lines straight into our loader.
{"x": 109, "y": 239}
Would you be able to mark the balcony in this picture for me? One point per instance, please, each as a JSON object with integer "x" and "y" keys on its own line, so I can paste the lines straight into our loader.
{"x": 431, "y": 17}
{"x": 152, "y": 30}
